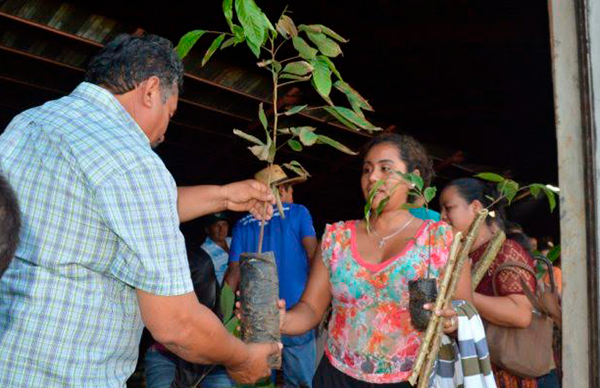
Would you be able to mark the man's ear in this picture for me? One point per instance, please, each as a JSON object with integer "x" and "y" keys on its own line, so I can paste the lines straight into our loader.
{"x": 150, "y": 89}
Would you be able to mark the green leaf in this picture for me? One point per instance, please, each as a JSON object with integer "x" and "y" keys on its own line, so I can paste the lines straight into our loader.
{"x": 416, "y": 180}
{"x": 264, "y": 63}
{"x": 276, "y": 66}
{"x": 357, "y": 101}
{"x": 232, "y": 325}
{"x": 553, "y": 254}
{"x": 321, "y": 76}
{"x": 307, "y": 136}
{"x": 328, "y": 31}
{"x": 262, "y": 116}
{"x": 310, "y": 28}
{"x": 429, "y": 194}
{"x": 295, "y": 145}
{"x": 298, "y": 68}
{"x": 325, "y": 45}
{"x": 490, "y": 176}
{"x": 296, "y": 77}
{"x": 408, "y": 206}
{"x": 285, "y": 131}
{"x": 295, "y": 109}
{"x": 335, "y": 144}
{"x": 296, "y": 167}
{"x": 248, "y": 137}
{"x": 306, "y": 52}
{"x": 254, "y": 22}
{"x": 261, "y": 152}
{"x": 340, "y": 118}
{"x": 332, "y": 67}
{"x": 354, "y": 118}
{"x": 286, "y": 26}
{"x": 228, "y": 12}
{"x": 229, "y": 42}
{"x": 509, "y": 189}
{"x": 187, "y": 42}
{"x": 535, "y": 189}
{"x": 238, "y": 34}
{"x": 551, "y": 198}
{"x": 213, "y": 47}
{"x": 226, "y": 302}
{"x": 381, "y": 206}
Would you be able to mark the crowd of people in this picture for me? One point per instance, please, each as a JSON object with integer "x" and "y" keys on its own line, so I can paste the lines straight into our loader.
{"x": 99, "y": 254}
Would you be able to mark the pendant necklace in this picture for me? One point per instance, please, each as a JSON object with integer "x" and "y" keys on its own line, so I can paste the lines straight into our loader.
{"x": 383, "y": 240}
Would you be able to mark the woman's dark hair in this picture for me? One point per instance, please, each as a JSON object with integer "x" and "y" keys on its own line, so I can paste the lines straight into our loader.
{"x": 128, "y": 60}
{"x": 412, "y": 153}
{"x": 523, "y": 240}
{"x": 471, "y": 189}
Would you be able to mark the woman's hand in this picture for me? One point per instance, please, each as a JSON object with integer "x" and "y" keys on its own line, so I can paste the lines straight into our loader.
{"x": 449, "y": 315}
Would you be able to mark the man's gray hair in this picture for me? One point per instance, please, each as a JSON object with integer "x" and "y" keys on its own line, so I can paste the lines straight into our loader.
{"x": 128, "y": 60}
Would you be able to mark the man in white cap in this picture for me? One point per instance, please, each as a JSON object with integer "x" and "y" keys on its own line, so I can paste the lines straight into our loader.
{"x": 294, "y": 242}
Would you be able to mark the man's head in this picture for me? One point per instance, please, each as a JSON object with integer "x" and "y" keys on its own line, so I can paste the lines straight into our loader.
{"x": 145, "y": 75}
{"x": 286, "y": 192}
{"x": 10, "y": 224}
{"x": 217, "y": 227}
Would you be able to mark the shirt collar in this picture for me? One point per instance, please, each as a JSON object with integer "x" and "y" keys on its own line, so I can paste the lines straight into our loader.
{"x": 107, "y": 102}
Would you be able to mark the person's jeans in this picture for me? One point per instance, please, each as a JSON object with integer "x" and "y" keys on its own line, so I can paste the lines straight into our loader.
{"x": 159, "y": 369}
{"x": 298, "y": 363}
{"x": 548, "y": 381}
{"x": 218, "y": 378}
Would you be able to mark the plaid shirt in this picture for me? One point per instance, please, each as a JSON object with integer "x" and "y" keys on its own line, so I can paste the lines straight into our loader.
{"x": 99, "y": 221}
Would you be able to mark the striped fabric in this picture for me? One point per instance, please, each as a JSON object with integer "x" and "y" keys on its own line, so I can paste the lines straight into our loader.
{"x": 99, "y": 221}
{"x": 466, "y": 364}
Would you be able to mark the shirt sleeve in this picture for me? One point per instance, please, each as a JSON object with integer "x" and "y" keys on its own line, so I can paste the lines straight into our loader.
{"x": 140, "y": 207}
{"x": 307, "y": 228}
{"x": 235, "y": 250}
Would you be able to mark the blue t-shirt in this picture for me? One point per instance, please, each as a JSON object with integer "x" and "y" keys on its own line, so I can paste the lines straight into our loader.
{"x": 284, "y": 237}
{"x": 425, "y": 214}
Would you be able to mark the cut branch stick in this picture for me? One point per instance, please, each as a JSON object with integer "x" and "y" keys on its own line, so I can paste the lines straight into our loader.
{"x": 479, "y": 270}
{"x": 432, "y": 356}
{"x": 425, "y": 350}
{"x": 431, "y": 326}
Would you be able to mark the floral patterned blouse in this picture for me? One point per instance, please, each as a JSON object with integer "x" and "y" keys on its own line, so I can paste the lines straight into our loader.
{"x": 370, "y": 334}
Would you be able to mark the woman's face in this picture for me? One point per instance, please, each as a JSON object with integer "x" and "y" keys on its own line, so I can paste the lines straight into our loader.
{"x": 379, "y": 164}
{"x": 455, "y": 209}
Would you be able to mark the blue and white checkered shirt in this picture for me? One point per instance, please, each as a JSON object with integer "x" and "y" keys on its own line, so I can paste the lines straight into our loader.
{"x": 99, "y": 221}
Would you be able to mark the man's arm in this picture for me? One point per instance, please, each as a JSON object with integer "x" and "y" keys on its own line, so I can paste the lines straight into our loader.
{"x": 248, "y": 195}
{"x": 310, "y": 246}
{"x": 232, "y": 276}
{"x": 195, "y": 334}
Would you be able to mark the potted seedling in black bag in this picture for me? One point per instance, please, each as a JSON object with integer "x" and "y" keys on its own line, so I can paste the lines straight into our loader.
{"x": 308, "y": 51}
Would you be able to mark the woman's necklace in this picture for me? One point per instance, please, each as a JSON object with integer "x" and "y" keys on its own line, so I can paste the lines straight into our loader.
{"x": 383, "y": 240}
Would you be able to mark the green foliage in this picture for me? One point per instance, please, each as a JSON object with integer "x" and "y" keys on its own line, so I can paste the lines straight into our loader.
{"x": 553, "y": 254}
{"x": 187, "y": 42}
{"x": 508, "y": 189}
{"x": 297, "y": 168}
{"x": 315, "y": 44}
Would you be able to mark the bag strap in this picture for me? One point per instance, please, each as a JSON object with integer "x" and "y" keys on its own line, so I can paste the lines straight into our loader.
{"x": 550, "y": 269}
{"x": 511, "y": 266}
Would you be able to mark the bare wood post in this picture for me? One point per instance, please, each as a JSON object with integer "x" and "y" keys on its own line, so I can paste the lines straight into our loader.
{"x": 487, "y": 259}
{"x": 431, "y": 327}
{"x": 435, "y": 347}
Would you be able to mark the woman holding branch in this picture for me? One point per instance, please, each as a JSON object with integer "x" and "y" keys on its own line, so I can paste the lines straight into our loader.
{"x": 365, "y": 273}
{"x": 460, "y": 203}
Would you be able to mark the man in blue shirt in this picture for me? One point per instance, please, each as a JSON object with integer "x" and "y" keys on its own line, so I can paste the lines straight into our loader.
{"x": 293, "y": 240}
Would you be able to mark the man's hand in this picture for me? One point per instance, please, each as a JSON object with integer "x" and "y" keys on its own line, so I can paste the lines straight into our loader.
{"x": 249, "y": 195}
{"x": 256, "y": 366}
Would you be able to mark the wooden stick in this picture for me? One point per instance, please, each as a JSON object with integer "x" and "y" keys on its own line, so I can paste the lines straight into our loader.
{"x": 431, "y": 326}
{"x": 463, "y": 255}
{"x": 479, "y": 270}
{"x": 432, "y": 356}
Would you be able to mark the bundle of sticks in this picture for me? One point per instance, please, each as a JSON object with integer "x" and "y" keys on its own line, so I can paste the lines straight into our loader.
{"x": 459, "y": 253}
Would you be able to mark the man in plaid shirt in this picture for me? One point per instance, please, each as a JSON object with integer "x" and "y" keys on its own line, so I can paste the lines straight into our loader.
{"x": 100, "y": 252}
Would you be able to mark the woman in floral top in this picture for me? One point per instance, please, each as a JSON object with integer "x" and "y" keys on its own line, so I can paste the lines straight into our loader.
{"x": 365, "y": 277}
